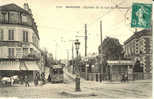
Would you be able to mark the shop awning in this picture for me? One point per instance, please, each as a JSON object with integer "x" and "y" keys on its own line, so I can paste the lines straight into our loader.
{"x": 31, "y": 65}
{"x": 120, "y": 62}
{"x": 9, "y": 65}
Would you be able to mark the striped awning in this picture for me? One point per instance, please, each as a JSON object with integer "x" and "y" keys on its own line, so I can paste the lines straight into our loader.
{"x": 31, "y": 65}
{"x": 9, "y": 65}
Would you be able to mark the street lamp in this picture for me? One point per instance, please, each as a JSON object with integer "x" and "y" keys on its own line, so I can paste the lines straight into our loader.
{"x": 77, "y": 80}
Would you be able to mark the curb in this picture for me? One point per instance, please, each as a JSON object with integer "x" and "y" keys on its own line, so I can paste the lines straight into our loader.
{"x": 79, "y": 94}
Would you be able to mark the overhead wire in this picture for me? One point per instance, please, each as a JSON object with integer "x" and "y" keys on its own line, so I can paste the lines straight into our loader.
{"x": 108, "y": 13}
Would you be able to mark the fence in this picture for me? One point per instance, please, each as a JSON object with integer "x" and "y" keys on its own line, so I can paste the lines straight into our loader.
{"x": 94, "y": 76}
{"x": 133, "y": 76}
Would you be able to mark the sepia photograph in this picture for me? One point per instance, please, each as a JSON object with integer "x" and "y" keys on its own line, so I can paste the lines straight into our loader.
{"x": 76, "y": 49}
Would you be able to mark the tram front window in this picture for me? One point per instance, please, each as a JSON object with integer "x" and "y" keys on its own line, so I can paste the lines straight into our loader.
{"x": 61, "y": 71}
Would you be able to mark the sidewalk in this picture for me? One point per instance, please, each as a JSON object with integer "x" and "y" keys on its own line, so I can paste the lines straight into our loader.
{"x": 81, "y": 93}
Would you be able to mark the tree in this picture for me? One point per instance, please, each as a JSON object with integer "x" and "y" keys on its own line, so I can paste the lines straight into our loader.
{"x": 48, "y": 57}
{"x": 50, "y": 60}
{"x": 111, "y": 49}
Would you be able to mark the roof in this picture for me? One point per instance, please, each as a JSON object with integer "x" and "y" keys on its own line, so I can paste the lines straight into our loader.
{"x": 13, "y": 7}
{"x": 139, "y": 34}
{"x": 120, "y": 62}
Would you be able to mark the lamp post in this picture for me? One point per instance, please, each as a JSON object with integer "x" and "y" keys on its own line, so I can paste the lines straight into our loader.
{"x": 77, "y": 80}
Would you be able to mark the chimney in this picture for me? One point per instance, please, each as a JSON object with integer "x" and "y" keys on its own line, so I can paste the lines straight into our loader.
{"x": 26, "y": 7}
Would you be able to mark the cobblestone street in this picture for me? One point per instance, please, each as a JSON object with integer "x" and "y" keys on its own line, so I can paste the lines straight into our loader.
{"x": 89, "y": 89}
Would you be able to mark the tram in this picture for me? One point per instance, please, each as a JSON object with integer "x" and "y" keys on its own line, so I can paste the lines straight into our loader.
{"x": 56, "y": 74}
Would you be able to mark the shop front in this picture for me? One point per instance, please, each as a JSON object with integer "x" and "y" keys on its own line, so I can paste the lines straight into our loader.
{"x": 119, "y": 67}
{"x": 21, "y": 68}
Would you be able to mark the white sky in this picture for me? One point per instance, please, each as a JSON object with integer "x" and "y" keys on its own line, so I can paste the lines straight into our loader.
{"x": 57, "y": 25}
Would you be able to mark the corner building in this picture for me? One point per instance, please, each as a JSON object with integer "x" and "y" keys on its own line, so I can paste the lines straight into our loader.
{"x": 19, "y": 42}
{"x": 139, "y": 47}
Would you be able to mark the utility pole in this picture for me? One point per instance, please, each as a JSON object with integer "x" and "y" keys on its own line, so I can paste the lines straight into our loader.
{"x": 85, "y": 37}
{"x": 73, "y": 57}
{"x": 85, "y": 40}
{"x": 101, "y": 66}
{"x": 56, "y": 52}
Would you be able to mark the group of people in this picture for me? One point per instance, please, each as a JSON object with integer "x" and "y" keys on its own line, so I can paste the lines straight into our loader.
{"x": 36, "y": 79}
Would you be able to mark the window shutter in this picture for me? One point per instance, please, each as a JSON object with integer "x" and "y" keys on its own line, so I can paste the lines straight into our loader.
{"x": 27, "y": 36}
{"x": 9, "y": 35}
{"x": 2, "y": 35}
{"x": 12, "y": 51}
{"x": 12, "y": 34}
{"x": 9, "y": 52}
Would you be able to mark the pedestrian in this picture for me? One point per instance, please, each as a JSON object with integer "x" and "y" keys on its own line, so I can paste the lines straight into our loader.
{"x": 22, "y": 79}
{"x": 126, "y": 77}
{"x": 36, "y": 80}
{"x": 26, "y": 81}
{"x": 43, "y": 78}
{"x": 49, "y": 78}
{"x": 12, "y": 81}
{"x": 122, "y": 77}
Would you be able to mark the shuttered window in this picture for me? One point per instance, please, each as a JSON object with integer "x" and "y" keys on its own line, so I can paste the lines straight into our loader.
{"x": 1, "y": 34}
{"x": 11, "y": 52}
{"x": 11, "y": 34}
{"x": 25, "y": 36}
{"x": 13, "y": 17}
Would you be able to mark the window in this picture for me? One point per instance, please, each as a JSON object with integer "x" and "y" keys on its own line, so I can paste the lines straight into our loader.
{"x": 13, "y": 17}
{"x": 31, "y": 50}
{"x": 11, "y": 52}
{"x": 11, "y": 34}
{"x": 1, "y": 34}
{"x": 24, "y": 19}
{"x": 60, "y": 71}
{"x": 18, "y": 52}
{"x": 1, "y": 17}
{"x": 25, "y": 36}
{"x": 25, "y": 51}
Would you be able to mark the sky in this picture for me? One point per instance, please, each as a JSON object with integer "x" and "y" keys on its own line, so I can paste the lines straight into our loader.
{"x": 58, "y": 25}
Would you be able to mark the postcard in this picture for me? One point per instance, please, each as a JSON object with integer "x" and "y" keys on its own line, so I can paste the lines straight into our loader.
{"x": 76, "y": 49}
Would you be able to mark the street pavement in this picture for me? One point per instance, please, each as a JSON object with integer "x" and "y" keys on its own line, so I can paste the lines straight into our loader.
{"x": 89, "y": 89}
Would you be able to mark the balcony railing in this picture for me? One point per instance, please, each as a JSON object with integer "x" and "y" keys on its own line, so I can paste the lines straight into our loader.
{"x": 30, "y": 56}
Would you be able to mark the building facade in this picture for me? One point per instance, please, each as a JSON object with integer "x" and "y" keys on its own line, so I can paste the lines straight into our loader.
{"x": 19, "y": 40}
{"x": 139, "y": 47}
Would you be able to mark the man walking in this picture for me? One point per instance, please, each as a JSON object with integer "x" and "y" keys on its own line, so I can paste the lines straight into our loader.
{"x": 26, "y": 82}
{"x": 36, "y": 80}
